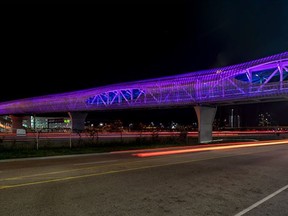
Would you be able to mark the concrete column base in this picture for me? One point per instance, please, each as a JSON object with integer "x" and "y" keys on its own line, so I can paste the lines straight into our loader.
{"x": 205, "y": 116}
{"x": 78, "y": 120}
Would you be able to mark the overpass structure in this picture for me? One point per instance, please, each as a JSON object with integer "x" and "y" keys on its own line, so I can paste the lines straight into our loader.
{"x": 261, "y": 80}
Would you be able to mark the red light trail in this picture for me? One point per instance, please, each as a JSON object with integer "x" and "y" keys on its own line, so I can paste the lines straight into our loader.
{"x": 180, "y": 151}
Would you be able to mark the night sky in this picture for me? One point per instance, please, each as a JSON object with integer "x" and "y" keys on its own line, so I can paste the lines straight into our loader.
{"x": 50, "y": 49}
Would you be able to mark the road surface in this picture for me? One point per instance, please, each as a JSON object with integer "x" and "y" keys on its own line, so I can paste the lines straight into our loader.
{"x": 239, "y": 181}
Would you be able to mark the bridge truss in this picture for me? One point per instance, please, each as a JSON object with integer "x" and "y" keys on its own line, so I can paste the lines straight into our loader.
{"x": 261, "y": 80}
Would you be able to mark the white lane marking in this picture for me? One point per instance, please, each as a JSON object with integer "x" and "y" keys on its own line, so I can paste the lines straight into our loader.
{"x": 96, "y": 162}
{"x": 261, "y": 201}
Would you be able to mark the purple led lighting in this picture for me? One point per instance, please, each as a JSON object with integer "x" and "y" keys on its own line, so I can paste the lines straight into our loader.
{"x": 208, "y": 87}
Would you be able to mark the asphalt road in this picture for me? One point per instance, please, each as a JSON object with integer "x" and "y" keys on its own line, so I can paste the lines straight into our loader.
{"x": 244, "y": 181}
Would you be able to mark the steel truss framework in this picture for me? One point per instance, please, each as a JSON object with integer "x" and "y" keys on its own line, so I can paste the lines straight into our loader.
{"x": 260, "y": 80}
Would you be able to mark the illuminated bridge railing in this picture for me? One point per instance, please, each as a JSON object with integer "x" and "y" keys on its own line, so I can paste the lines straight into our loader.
{"x": 264, "y": 79}
{"x": 267, "y": 81}
{"x": 116, "y": 97}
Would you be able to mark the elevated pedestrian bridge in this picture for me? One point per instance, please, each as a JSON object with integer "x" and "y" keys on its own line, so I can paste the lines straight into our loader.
{"x": 261, "y": 80}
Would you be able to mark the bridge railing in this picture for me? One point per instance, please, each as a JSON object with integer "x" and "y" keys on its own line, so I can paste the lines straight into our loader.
{"x": 218, "y": 93}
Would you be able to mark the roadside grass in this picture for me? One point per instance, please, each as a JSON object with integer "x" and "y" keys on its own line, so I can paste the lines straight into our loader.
{"x": 28, "y": 150}
{"x": 17, "y": 151}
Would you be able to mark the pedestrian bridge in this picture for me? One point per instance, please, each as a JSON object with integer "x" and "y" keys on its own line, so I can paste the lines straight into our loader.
{"x": 261, "y": 80}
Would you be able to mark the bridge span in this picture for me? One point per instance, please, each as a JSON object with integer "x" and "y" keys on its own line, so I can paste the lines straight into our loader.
{"x": 261, "y": 80}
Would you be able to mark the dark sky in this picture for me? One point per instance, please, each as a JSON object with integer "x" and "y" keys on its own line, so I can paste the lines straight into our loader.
{"x": 58, "y": 48}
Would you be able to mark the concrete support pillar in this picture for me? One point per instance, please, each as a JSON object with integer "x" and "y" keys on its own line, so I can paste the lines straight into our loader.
{"x": 17, "y": 122}
{"x": 78, "y": 120}
{"x": 205, "y": 116}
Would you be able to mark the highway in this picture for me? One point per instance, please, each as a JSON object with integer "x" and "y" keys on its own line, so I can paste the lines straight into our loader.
{"x": 213, "y": 180}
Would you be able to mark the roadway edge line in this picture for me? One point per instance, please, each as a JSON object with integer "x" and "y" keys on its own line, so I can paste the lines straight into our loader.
{"x": 261, "y": 201}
